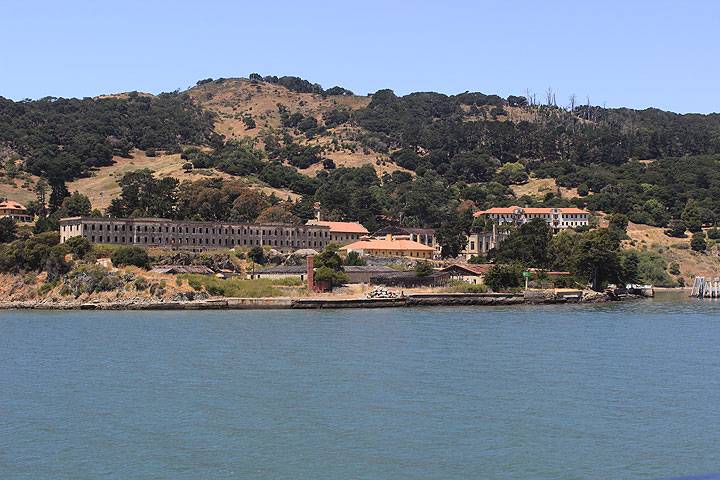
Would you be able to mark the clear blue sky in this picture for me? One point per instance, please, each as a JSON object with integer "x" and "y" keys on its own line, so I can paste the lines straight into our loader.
{"x": 635, "y": 53}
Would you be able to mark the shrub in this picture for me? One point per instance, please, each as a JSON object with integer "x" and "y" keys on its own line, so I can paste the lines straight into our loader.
{"x": 698, "y": 242}
{"x": 714, "y": 233}
{"x": 79, "y": 246}
{"x": 502, "y": 277}
{"x": 135, "y": 256}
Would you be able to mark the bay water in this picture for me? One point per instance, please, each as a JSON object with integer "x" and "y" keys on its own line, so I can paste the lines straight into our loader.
{"x": 622, "y": 390}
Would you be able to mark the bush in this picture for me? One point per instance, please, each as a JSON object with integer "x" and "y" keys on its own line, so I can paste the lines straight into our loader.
{"x": 79, "y": 246}
{"x": 503, "y": 277}
{"x": 134, "y": 256}
{"x": 714, "y": 233}
{"x": 698, "y": 242}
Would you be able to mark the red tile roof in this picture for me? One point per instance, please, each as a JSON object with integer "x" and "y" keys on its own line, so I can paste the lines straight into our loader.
{"x": 11, "y": 205}
{"x": 340, "y": 227}
{"x": 375, "y": 244}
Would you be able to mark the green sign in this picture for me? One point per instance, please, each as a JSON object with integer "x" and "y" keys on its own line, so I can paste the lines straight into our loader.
{"x": 527, "y": 274}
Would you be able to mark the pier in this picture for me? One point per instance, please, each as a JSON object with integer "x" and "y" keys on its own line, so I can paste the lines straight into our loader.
{"x": 706, "y": 288}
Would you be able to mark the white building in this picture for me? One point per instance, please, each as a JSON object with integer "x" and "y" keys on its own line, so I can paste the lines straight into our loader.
{"x": 557, "y": 218}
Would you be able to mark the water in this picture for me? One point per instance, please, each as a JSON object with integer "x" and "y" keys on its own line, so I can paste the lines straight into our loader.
{"x": 555, "y": 392}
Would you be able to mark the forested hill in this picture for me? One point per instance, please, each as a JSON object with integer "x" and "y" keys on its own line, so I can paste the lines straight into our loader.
{"x": 421, "y": 158}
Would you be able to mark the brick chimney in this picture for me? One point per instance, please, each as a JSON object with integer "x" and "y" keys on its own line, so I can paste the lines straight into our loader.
{"x": 311, "y": 273}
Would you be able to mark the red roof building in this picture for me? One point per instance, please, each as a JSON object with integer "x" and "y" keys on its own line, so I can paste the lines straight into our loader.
{"x": 14, "y": 210}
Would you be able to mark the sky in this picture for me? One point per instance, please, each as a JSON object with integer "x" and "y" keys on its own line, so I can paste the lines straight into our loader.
{"x": 633, "y": 53}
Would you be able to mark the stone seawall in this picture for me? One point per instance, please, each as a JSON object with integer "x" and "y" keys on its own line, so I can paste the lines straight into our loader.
{"x": 413, "y": 300}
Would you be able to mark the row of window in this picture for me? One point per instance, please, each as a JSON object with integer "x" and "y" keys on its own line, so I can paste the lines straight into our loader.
{"x": 208, "y": 241}
{"x": 208, "y": 230}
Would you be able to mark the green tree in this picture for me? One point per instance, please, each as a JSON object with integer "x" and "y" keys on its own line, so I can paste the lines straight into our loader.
{"x": 596, "y": 256}
{"x": 257, "y": 255}
{"x": 75, "y": 205}
{"x": 502, "y": 277}
{"x": 58, "y": 194}
{"x": 79, "y": 245}
{"x": 691, "y": 216}
{"x": 629, "y": 262}
{"x": 8, "y": 229}
{"x": 698, "y": 242}
{"x": 135, "y": 256}
{"x": 423, "y": 268}
{"x": 353, "y": 258}
{"x": 618, "y": 224}
{"x": 329, "y": 266}
{"x": 528, "y": 245}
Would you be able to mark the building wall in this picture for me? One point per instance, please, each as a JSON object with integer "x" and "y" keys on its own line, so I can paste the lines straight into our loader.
{"x": 194, "y": 236}
{"x": 397, "y": 253}
{"x": 19, "y": 215}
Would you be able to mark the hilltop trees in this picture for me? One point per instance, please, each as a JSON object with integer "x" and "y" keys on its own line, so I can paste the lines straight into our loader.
{"x": 65, "y": 138}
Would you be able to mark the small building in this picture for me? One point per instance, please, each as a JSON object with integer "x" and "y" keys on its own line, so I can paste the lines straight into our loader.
{"x": 341, "y": 232}
{"x": 468, "y": 273}
{"x": 281, "y": 271}
{"x": 363, "y": 273}
{"x": 14, "y": 210}
{"x": 180, "y": 269}
{"x": 426, "y": 236}
{"x": 389, "y": 247}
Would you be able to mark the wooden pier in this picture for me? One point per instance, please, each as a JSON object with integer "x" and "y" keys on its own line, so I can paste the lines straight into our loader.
{"x": 706, "y": 288}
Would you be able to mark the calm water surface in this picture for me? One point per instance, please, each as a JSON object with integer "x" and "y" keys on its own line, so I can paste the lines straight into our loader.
{"x": 555, "y": 392}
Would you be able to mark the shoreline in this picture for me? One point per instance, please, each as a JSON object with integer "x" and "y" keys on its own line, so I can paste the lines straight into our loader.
{"x": 288, "y": 303}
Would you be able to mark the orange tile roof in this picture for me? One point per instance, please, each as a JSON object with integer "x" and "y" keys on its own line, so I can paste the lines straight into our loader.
{"x": 12, "y": 205}
{"x": 399, "y": 245}
{"x": 340, "y": 227}
{"x": 528, "y": 210}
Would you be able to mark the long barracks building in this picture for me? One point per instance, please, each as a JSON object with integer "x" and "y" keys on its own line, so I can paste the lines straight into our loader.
{"x": 194, "y": 236}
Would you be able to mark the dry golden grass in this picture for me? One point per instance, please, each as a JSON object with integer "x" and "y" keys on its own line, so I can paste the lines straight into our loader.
{"x": 674, "y": 250}
{"x": 104, "y": 180}
{"x": 234, "y": 98}
{"x": 17, "y": 192}
{"x": 539, "y": 187}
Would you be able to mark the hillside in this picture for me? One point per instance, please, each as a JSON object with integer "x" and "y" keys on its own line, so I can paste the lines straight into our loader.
{"x": 421, "y": 159}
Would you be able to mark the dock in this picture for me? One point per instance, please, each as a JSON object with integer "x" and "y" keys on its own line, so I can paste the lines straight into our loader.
{"x": 705, "y": 288}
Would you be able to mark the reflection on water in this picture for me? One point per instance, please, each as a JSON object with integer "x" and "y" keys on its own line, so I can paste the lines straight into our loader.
{"x": 618, "y": 390}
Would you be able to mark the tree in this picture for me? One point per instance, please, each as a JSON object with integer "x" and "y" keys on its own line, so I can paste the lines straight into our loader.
{"x": 8, "y": 229}
{"x": 423, "y": 268}
{"x": 75, "y": 205}
{"x": 257, "y": 255}
{"x": 280, "y": 213}
{"x": 187, "y": 167}
{"x": 528, "y": 245}
{"x": 618, "y": 224}
{"x": 629, "y": 266}
{"x": 691, "y": 216}
{"x": 40, "y": 192}
{"x": 714, "y": 233}
{"x": 512, "y": 174}
{"x": 596, "y": 256}
{"x": 353, "y": 259}
{"x": 79, "y": 245}
{"x": 58, "y": 194}
{"x": 698, "y": 242}
{"x": 135, "y": 256}
{"x": 676, "y": 229}
{"x": 501, "y": 277}
{"x": 452, "y": 235}
{"x": 329, "y": 266}
{"x": 248, "y": 205}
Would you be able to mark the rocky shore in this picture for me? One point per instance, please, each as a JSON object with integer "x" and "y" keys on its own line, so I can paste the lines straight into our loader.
{"x": 412, "y": 300}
